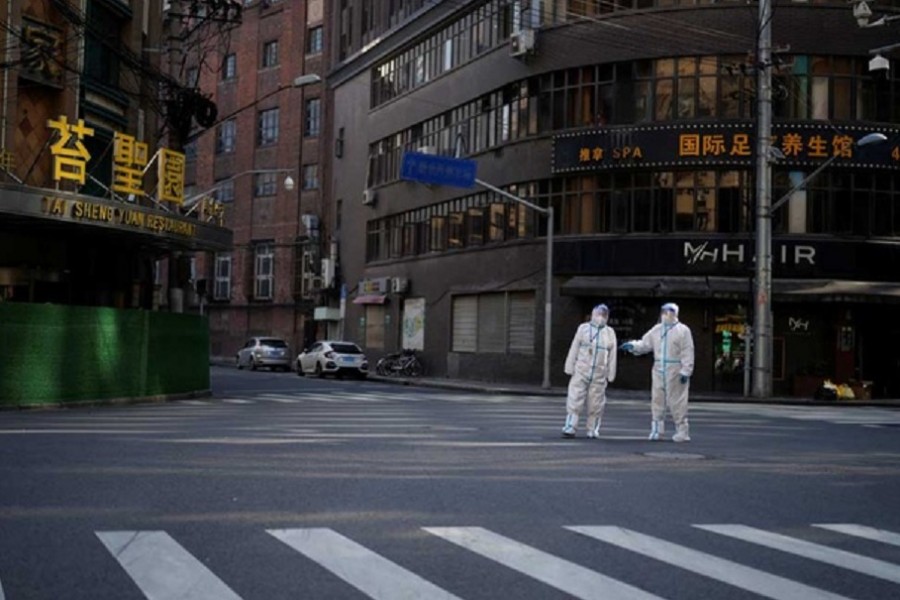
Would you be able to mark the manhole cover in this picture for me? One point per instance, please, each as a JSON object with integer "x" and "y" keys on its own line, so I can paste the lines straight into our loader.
{"x": 675, "y": 455}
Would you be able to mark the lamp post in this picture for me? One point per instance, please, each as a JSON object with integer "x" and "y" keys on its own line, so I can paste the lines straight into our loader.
{"x": 548, "y": 285}
{"x": 192, "y": 202}
{"x": 762, "y": 328}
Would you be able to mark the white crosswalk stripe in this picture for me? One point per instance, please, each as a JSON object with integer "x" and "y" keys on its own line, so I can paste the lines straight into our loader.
{"x": 162, "y": 569}
{"x": 747, "y": 578}
{"x": 838, "y": 558}
{"x": 372, "y": 574}
{"x": 2, "y": 596}
{"x": 573, "y": 579}
{"x": 869, "y": 533}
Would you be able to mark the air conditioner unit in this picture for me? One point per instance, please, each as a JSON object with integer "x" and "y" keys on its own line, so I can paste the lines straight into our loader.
{"x": 399, "y": 285}
{"x": 369, "y": 197}
{"x": 327, "y": 272}
{"x": 521, "y": 42}
{"x": 311, "y": 285}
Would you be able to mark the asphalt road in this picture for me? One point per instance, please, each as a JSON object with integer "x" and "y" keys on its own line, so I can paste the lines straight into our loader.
{"x": 281, "y": 487}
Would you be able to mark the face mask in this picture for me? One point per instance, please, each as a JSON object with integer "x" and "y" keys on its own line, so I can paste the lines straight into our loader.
{"x": 667, "y": 318}
{"x": 599, "y": 320}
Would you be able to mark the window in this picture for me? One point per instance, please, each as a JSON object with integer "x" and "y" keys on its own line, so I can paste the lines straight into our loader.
{"x": 313, "y": 120}
{"x": 268, "y": 127}
{"x": 265, "y": 184}
{"x": 314, "y": 39}
{"x": 310, "y": 177}
{"x": 264, "y": 272}
{"x": 501, "y": 323}
{"x": 270, "y": 54}
{"x": 225, "y": 136}
{"x": 103, "y": 33}
{"x": 222, "y": 286}
{"x": 229, "y": 67}
{"x": 224, "y": 191}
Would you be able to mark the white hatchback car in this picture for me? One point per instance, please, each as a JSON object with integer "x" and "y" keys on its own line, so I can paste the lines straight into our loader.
{"x": 264, "y": 352}
{"x": 333, "y": 357}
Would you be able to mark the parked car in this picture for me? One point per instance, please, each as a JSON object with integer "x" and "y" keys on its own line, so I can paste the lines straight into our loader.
{"x": 268, "y": 352}
{"x": 333, "y": 357}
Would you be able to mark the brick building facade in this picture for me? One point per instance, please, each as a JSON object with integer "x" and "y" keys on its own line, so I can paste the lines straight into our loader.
{"x": 263, "y": 159}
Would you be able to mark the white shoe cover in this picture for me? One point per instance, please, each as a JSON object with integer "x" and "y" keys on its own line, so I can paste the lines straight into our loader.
{"x": 682, "y": 433}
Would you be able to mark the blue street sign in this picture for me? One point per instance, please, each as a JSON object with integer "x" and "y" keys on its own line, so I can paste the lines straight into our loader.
{"x": 438, "y": 170}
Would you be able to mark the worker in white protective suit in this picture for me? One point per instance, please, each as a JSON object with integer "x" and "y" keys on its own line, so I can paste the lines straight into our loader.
{"x": 591, "y": 363}
{"x": 672, "y": 345}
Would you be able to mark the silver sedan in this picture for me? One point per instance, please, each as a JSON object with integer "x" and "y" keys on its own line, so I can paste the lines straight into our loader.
{"x": 264, "y": 352}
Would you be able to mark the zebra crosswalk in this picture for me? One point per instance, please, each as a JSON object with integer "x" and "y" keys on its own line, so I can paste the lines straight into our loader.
{"x": 164, "y": 570}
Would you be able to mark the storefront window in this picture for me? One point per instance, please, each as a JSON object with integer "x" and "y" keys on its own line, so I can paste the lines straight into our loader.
{"x": 730, "y": 347}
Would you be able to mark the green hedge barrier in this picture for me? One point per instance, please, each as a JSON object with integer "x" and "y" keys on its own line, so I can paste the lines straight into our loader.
{"x": 57, "y": 354}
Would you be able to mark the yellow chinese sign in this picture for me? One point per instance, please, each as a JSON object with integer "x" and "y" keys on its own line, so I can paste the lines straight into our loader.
{"x": 171, "y": 176}
{"x": 70, "y": 156}
{"x": 212, "y": 211}
{"x": 129, "y": 159}
{"x": 695, "y": 144}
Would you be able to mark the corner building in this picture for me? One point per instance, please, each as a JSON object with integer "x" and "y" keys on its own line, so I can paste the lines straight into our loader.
{"x": 636, "y": 122}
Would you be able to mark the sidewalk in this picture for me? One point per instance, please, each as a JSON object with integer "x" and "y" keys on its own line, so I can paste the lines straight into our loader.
{"x": 615, "y": 393}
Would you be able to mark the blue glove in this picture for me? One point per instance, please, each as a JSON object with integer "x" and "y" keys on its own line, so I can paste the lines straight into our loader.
{"x": 627, "y": 346}
{"x": 684, "y": 379}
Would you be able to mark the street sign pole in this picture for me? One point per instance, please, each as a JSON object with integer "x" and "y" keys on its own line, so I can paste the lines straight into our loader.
{"x": 433, "y": 169}
{"x": 548, "y": 284}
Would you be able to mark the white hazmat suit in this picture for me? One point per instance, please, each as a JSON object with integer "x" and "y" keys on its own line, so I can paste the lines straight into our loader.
{"x": 673, "y": 364}
{"x": 591, "y": 363}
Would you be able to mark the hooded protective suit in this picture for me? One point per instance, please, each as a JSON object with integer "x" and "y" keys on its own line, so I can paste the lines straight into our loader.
{"x": 591, "y": 362}
{"x": 673, "y": 364}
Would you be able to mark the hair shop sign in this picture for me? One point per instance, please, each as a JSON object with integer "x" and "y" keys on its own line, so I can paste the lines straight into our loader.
{"x": 739, "y": 253}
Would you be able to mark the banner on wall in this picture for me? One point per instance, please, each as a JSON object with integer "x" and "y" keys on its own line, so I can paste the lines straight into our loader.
{"x": 414, "y": 324}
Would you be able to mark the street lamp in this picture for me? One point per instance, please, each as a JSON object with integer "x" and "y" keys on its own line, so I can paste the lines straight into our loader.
{"x": 762, "y": 326}
{"x": 863, "y": 15}
{"x": 191, "y": 203}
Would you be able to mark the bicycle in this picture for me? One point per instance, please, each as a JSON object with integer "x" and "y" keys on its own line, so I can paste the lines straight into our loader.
{"x": 404, "y": 363}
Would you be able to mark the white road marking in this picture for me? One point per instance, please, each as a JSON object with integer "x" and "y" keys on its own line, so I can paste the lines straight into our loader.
{"x": 747, "y": 578}
{"x": 372, "y": 574}
{"x": 838, "y": 558}
{"x": 162, "y": 569}
{"x": 869, "y": 533}
{"x": 569, "y": 577}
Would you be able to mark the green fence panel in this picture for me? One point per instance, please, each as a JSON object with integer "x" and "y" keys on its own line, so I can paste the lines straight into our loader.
{"x": 178, "y": 353}
{"x": 56, "y": 354}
